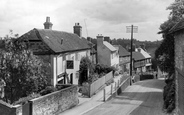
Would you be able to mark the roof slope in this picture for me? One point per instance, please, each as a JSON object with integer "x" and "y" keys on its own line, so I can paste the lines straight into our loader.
{"x": 137, "y": 56}
{"x": 59, "y": 41}
{"x": 122, "y": 51}
{"x": 109, "y": 46}
{"x": 144, "y": 53}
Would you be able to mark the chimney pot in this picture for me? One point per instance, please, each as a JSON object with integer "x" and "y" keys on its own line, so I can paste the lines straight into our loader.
{"x": 48, "y": 19}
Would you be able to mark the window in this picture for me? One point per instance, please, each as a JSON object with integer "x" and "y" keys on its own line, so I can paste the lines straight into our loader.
{"x": 70, "y": 64}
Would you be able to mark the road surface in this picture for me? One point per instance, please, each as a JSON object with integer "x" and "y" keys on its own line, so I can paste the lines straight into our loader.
{"x": 142, "y": 98}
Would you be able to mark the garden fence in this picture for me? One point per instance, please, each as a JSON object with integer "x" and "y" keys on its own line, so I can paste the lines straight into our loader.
{"x": 98, "y": 84}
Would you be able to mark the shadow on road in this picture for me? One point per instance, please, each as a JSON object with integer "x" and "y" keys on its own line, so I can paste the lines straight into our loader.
{"x": 146, "y": 96}
{"x": 151, "y": 83}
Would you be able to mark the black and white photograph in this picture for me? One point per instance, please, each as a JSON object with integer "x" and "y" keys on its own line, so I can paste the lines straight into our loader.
{"x": 91, "y": 57}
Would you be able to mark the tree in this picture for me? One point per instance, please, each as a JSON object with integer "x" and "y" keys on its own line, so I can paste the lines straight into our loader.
{"x": 20, "y": 69}
{"x": 86, "y": 66}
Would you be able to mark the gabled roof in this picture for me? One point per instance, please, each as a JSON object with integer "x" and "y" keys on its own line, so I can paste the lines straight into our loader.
{"x": 109, "y": 46}
{"x": 122, "y": 51}
{"x": 137, "y": 56}
{"x": 144, "y": 53}
{"x": 58, "y": 41}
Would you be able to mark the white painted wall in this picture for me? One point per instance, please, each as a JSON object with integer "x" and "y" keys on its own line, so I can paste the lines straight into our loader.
{"x": 76, "y": 56}
{"x": 114, "y": 59}
{"x": 58, "y": 65}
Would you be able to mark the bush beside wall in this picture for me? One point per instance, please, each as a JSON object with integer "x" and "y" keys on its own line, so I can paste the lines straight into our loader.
{"x": 49, "y": 104}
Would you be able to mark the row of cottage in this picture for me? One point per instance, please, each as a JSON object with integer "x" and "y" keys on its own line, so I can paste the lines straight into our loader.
{"x": 63, "y": 52}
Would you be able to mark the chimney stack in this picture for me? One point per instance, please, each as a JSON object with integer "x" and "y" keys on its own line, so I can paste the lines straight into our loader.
{"x": 107, "y": 39}
{"x": 48, "y": 24}
{"x": 77, "y": 29}
{"x": 100, "y": 39}
{"x": 139, "y": 49}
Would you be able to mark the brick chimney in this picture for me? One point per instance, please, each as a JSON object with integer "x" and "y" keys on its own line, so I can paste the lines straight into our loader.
{"x": 99, "y": 47}
{"x": 77, "y": 29}
{"x": 139, "y": 49}
{"x": 107, "y": 38}
{"x": 99, "y": 40}
{"x": 48, "y": 24}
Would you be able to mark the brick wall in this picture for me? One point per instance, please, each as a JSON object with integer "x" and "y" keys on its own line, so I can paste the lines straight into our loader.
{"x": 56, "y": 102}
{"x": 7, "y": 109}
{"x": 179, "y": 64}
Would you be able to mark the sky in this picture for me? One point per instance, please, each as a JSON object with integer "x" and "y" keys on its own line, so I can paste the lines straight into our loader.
{"x": 106, "y": 17}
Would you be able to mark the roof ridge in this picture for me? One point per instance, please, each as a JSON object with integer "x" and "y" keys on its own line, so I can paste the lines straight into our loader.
{"x": 56, "y": 31}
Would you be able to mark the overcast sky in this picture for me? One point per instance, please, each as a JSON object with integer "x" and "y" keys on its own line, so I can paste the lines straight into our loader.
{"x": 106, "y": 17}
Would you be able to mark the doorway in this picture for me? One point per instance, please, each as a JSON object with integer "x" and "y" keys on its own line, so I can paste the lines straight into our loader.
{"x": 71, "y": 78}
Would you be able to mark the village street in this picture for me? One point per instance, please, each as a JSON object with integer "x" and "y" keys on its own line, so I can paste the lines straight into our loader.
{"x": 142, "y": 98}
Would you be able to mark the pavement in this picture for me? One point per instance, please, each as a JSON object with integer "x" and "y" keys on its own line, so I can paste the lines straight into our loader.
{"x": 86, "y": 104}
{"x": 141, "y": 98}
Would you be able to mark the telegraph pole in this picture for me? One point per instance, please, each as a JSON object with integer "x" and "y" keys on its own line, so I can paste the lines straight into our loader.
{"x": 131, "y": 53}
{"x": 131, "y": 29}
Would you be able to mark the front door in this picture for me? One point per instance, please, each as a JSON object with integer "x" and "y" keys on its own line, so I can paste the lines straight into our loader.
{"x": 71, "y": 78}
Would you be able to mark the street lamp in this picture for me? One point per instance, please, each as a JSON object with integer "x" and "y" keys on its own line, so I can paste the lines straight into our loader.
{"x": 131, "y": 29}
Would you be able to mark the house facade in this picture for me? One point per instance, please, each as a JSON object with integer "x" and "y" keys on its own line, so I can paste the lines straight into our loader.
{"x": 124, "y": 58}
{"x": 62, "y": 51}
{"x": 106, "y": 53}
{"x": 147, "y": 60}
{"x": 138, "y": 62}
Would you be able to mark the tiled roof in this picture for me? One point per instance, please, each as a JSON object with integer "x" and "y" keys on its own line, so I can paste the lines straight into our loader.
{"x": 59, "y": 41}
{"x": 178, "y": 26}
{"x": 137, "y": 56}
{"x": 108, "y": 45}
{"x": 144, "y": 53}
{"x": 122, "y": 51}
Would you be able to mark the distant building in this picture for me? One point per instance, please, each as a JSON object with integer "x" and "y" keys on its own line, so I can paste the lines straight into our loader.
{"x": 147, "y": 57}
{"x": 139, "y": 62}
{"x": 142, "y": 60}
{"x": 124, "y": 58}
{"x": 62, "y": 50}
{"x": 106, "y": 53}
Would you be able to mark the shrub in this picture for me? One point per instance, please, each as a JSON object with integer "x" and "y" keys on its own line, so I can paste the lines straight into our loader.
{"x": 47, "y": 90}
{"x": 85, "y": 66}
{"x": 169, "y": 95}
{"x": 25, "y": 99}
{"x": 101, "y": 68}
{"x": 116, "y": 73}
{"x": 93, "y": 77}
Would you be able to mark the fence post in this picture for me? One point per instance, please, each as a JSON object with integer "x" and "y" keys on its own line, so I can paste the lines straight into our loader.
{"x": 104, "y": 95}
